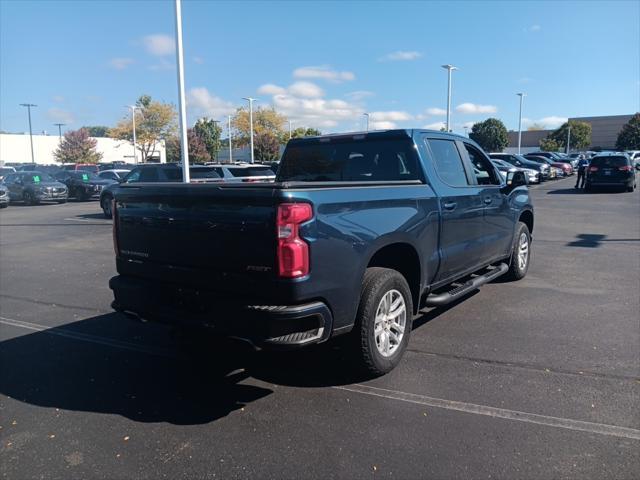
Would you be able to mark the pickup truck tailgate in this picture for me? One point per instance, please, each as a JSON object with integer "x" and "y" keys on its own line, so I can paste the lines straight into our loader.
{"x": 202, "y": 233}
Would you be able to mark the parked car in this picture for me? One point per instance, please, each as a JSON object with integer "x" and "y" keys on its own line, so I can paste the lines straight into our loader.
{"x": 4, "y": 171}
{"x": 35, "y": 187}
{"x": 554, "y": 171}
{"x": 533, "y": 176}
{"x": 33, "y": 167}
{"x": 156, "y": 172}
{"x": 357, "y": 234}
{"x": 244, "y": 172}
{"x": 114, "y": 174}
{"x": 84, "y": 167}
{"x": 115, "y": 165}
{"x": 611, "y": 171}
{"x": 519, "y": 161}
{"x": 82, "y": 185}
{"x": 4, "y": 196}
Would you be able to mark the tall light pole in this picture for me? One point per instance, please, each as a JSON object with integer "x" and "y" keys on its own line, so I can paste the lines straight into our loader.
{"x": 568, "y": 138}
{"x": 229, "y": 130}
{"x": 133, "y": 121}
{"x": 367, "y": 115}
{"x": 29, "y": 105}
{"x": 449, "y": 69}
{"x": 250, "y": 100}
{"x": 215, "y": 124}
{"x": 289, "y": 129}
{"x": 466, "y": 130}
{"x": 182, "y": 104}
{"x": 521, "y": 95}
{"x": 60, "y": 125}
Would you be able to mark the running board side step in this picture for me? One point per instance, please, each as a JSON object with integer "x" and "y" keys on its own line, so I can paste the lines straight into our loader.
{"x": 437, "y": 300}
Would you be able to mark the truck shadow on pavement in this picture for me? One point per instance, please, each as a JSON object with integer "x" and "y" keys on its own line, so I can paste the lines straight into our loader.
{"x": 193, "y": 379}
{"x": 595, "y": 240}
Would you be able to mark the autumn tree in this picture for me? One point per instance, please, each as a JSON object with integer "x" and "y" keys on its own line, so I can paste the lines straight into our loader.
{"x": 77, "y": 147}
{"x": 549, "y": 145}
{"x": 266, "y": 147}
{"x": 265, "y": 120}
{"x": 97, "y": 131}
{"x": 491, "y": 135}
{"x": 209, "y": 132}
{"x": 154, "y": 121}
{"x": 629, "y": 136}
{"x": 198, "y": 152}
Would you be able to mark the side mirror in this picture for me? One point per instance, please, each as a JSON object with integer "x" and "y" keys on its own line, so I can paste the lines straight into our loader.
{"x": 516, "y": 179}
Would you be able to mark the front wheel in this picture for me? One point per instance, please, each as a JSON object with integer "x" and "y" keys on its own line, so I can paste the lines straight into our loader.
{"x": 383, "y": 322}
{"x": 106, "y": 204}
{"x": 521, "y": 253}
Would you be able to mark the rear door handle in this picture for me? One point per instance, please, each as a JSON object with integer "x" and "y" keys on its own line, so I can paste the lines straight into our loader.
{"x": 488, "y": 200}
{"x": 449, "y": 205}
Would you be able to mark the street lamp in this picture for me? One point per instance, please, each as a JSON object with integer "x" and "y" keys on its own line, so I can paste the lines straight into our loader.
{"x": 215, "y": 124}
{"x": 60, "y": 125}
{"x": 133, "y": 120}
{"x": 230, "y": 149}
{"x": 182, "y": 104}
{"x": 521, "y": 95}
{"x": 289, "y": 129}
{"x": 367, "y": 115}
{"x": 29, "y": 105}
{"x": 466, "y": 130}
{"x": 250, "y": 100}
{"x": 568, "y": 137}
{"x": 449, "y": 69}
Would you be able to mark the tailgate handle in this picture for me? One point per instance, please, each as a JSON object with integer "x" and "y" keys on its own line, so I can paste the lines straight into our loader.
{"x": 488, "y": 200}
{"x": 449, "y": 205}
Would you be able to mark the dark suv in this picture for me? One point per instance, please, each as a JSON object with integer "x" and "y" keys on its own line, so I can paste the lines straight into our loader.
{"x": 35, "y": 187}
{"x": 611, "y": 171}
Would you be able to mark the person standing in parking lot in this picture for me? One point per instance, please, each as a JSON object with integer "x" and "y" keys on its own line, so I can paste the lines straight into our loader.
{"x": 582, "y": 173}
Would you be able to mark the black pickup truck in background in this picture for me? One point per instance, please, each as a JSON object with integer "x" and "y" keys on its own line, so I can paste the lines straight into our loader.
{"x": 356, "y": 235}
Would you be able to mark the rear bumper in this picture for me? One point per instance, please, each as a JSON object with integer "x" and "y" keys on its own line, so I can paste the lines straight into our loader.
{"x": 610, "y": 182}
{"x": 263, "y": 325}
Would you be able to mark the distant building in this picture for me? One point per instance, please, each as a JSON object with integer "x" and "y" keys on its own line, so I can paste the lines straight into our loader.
{"x": 16, "y": 148}
{"x": 604, "y": 133}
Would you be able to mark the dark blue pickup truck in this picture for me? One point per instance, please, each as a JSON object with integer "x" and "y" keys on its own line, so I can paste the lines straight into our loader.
{"x": 357, "y": 234}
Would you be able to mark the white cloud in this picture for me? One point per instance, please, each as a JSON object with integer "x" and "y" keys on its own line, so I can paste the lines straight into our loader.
{"x": 525, "y": 80}
{"x": 550, "y": 122}
{"x": 305, "y": 90}
{"x": 400, "y": 55}
{"x": 384, "y": 125}
{"x": 58, "y": 98}
{"x": 474, "y": 108}
{"x": 271, "y": 89}
{"x": 159, "y": 44}
{"x": 436, "y": 111}
{"x": 198, "y": 60}
{"x": 534, "y": 28}
{"x": 359, "y": 95}
{"x": 120, "y": 63}
{"x": 390, "y": 116}
{"x": 324, "y": 72}
{"x": 315, "y": 112}
{"x": 205, "y": 103}
{"x": 435, "y": 126}
{"x": 57, "y": 115}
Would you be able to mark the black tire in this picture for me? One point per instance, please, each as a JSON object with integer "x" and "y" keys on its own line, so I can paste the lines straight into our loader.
{"x": 377, "y": 283}
{"x": 4, "y": 205}
{"x": 588, "y": 188}
{"x": 29, "y": 198}
{"x": 106, "y": 206}
{"x": 517, "y": 270}
{"x": 631, "y": 188}
{"x": 61, "y": 202}
{"x": 80, "y": 196}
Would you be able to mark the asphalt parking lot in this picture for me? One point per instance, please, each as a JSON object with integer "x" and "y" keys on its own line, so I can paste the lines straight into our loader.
{"x": 534, "y": 379}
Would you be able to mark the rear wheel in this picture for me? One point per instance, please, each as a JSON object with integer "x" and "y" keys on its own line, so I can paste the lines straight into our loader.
{"x": 383, "y": 322}
{"x": 30, "y": 198}
{"x": 521, "y": 256}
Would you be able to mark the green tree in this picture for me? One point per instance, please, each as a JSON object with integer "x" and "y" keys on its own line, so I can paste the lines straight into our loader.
{"x": 549, "y": 145}
{"x": 265, "y": 120}
{"x": 491, "y": 135}
{"x": 154, "y": 121}
{"x": 209, "y": 131}
{"x": 629, "y": 136}
{"x": 266, "y": 147}
{"x": 580, "y": 135}
{"x": 97, "y": 131}
{"x": 305, "y": 132}
{"x": 198, "y": 152}
{"x": 77, "y": 147}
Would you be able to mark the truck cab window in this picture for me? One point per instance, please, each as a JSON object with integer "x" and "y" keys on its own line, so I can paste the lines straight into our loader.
{"x": 482, "y": 168}
{"x": 448, "y": 162}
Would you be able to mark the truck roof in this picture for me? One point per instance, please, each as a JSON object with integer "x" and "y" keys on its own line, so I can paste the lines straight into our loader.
{"x": 375, "y": 134}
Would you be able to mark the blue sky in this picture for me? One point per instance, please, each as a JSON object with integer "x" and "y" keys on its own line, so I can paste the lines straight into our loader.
{"x": 321, "y": 63}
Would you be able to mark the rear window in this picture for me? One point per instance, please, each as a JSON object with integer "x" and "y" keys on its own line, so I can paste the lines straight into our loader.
{"x": 202, "y": 172}
{"x": 613, "y": 162}
{"x": 87, "y": 168}
{"x": 371, "y": 160}
{"x": 251, "y": 171}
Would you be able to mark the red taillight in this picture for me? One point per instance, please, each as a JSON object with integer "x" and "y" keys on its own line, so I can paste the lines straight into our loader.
{"x": 114, "y": 227}
{"x": 626, "y": 168}
{"x": 593, "y": 169}
{"x": 293, "y": 252}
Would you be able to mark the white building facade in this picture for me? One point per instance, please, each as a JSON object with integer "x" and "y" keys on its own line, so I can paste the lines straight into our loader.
{"x": 16, "y": 148}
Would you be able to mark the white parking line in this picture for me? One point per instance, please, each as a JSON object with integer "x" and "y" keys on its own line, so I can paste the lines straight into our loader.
{"x": 566, "y": 423}
{"x": 590, "y": 427}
